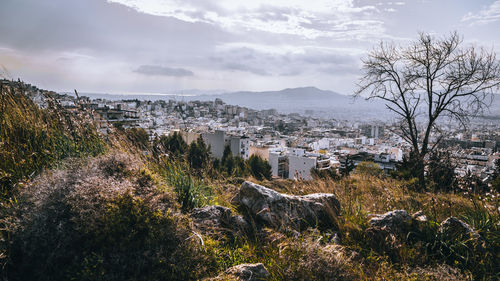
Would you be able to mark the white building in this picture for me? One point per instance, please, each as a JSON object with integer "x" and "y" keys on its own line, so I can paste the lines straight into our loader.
{"x": 216, "y": 141}
{"x": 300, "y": 167}
{"x": 240, "y": 146}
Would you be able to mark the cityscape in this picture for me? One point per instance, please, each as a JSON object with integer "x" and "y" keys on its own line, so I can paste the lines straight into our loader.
{"x": 237, "y": 140}
{"x": 293, "y": 144}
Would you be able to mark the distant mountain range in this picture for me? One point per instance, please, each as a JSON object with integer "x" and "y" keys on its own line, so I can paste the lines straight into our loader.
{"x": 300, "y": 100}
{"x": 304, "y": 100}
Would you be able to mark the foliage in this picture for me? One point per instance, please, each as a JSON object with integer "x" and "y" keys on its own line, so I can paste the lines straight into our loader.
{"x": 198, "y": 155}
{"x": 495, "y": 183}
{"x": 84, "y": 223}
{"x": 232, "y": 166}
{"x": 32, "y": 138}
{"x": 473, "y": 183}
{"x": 369, "y": 169}
{"x": 191, "y": 192}
{"x": 441, "y": 171}
{"x": 173, "y": 145}
{"x": 347, "y": 167}
{"x": 259, "y": 168}
{"x": 138, "y": 137}
{"x": 325, "y": 174}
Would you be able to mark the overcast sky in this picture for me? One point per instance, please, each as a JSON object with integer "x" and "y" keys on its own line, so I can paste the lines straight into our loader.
{"x": 156, "y": 46}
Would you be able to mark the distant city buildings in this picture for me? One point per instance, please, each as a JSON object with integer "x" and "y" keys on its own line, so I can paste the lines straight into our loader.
{"x": 293, "y": 144}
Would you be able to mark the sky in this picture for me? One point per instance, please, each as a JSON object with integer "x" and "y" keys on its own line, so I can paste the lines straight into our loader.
{"x": 160, "y": 46}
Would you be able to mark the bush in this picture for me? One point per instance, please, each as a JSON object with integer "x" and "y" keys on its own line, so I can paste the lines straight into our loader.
{"x": 259, "y": 168}
{"x": 325, "y": 174}
{"x": 198, "y": 155}
{"x": 32, "y": 139}
{"x": 173, "y": 145}
{"x": 138, "y": 137}
{"x": 85, "y": 223}
{"x": 191, "y": 192}
{"x": 368, "y": 168}
{"x": 441, "y": 171}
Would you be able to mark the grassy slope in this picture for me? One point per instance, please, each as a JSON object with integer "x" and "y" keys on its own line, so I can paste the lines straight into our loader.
{"x": 33, "y": 139}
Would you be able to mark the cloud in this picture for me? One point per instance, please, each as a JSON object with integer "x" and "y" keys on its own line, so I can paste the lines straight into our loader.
{"x": 163, "y": 71}
{"x": 486, "y": 15}
{"x": 287, "y": 60}
{"x": 292, "y": 17}
{"x": 245, "y": 68}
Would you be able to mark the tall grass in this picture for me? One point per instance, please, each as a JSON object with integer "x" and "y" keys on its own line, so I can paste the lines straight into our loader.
{"x": 191, "y": 191}
{"x": 32, "y": 138}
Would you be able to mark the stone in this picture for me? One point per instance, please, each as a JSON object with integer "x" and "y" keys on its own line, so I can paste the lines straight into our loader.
{"x": 387, "y": 232}
{"x": 453, "y": 228}
{"x": 248, "y": 272}
{"x": 244, "y": 272}
{"x": 273, "y": 209}
{"x": 216, "y": 218}
{"x": 393, "y": 221}
{"x": 419, "y": 216}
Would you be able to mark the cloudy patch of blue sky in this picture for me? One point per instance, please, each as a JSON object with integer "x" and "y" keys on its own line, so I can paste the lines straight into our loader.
{"x": 163, "y": 45}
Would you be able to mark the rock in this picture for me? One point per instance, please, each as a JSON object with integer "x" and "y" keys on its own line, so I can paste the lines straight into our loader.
{"x": 394, "y": 221}
{"x": 419, "y": 216}
{"x": 453, "y": 228}
{"x": 277, "y": 210}
{"x": 249, "y": 272}
{"x": 244, "y": 272}
{"x": 217, "y": 218}
{"x": 388, "y": 231}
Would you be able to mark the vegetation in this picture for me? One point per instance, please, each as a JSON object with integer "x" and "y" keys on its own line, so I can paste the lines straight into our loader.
{"x": 32, "y": 139}
{"x": 98, "y": 220}
{"x": 125, "y": 215}
{"x": 426, "y": 81}
{"x": 259, "y": 168}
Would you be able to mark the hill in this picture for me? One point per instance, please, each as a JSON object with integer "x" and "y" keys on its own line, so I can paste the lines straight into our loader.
{"x": 122, "y": 207}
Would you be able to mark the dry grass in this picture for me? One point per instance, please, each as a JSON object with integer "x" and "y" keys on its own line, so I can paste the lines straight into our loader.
{"x": 371, "y": 195}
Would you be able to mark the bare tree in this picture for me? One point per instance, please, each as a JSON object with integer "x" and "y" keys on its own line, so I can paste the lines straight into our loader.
{"x": 428, "y": 79}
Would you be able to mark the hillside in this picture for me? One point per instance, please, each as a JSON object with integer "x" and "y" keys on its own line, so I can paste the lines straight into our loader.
{"x": 122, "y": 207}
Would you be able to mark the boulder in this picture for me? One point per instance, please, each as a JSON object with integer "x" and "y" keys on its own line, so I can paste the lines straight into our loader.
{"x": 387, "y": 232}
{"x": 248, "y": 272}
{"x": 419, "y": 216}
{"x": 244, "y": 272}
{"x": 452, "y": 228}
{"x": 273, "y": 209}
{"x": 393, "y": 221}
{"x": 216, "y": 218}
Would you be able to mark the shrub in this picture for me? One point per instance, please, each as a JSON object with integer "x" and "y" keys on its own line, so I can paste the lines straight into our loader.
{"x": 198, "y": 154}
{"x": 83, "y": 223}
{"x": 368, "y": 168}
{"x": 138, "y": 137}
{"x": 259, "y": 168}
{"x": 32, "y": 138}
{"x": 191, "y": 192}
{"x": 173, "y": 145}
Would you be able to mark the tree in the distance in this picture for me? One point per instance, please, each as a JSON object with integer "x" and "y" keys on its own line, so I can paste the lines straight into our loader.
{"x": 198, "y": 154}
{"x": 441, "y": 171}
{"x": 259, "y": 168}
{"x": 173, "y": 145}
{"x": 427, "y": 80}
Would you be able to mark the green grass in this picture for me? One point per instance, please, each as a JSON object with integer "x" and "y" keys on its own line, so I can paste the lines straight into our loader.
{"x": 32, "y": 139}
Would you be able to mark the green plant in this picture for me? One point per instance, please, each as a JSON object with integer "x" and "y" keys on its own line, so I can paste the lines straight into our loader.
{"x": 259, "y": 168}
{"x": 32, "y": 139}
{"x": 191, "y": 192}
